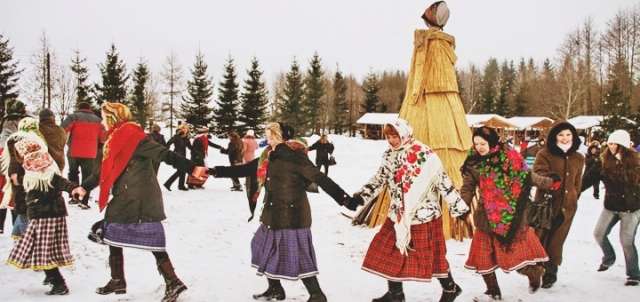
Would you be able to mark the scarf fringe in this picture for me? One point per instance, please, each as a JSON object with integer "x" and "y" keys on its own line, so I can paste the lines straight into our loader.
{"x": 40, "y": 181}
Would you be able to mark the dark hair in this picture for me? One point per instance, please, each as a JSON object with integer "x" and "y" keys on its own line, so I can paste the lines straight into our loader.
{"x": 552, "y": 141}
{"x": 488, "y": 134}
{"x": 84, "y": 106}
{"x": 287, "y": 131}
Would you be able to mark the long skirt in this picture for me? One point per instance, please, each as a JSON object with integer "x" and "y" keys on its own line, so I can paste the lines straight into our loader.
{"x": 283, "y": 254}
{"x": 145, "y": 236}
{"x": 44, "y": 246}
{"x": 426, "y": 258}
{"x": 488, "y": 254}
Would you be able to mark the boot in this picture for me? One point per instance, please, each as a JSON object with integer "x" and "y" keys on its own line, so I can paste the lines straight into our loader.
{"x": 450, "y": 290}
{"x": 534, "y": 273}
{"x": 174, "y": 285}
{"x": 395, "y": 293}
{"x": 493, "y": 289}
{"x": 550, "y": 275}
{"x": 273, "y": 292}
{"x": 117, "y": 284}
{"x": 313, "y": 287}
{"x": 167, "y": 186}
{"x": 59, "y": 286}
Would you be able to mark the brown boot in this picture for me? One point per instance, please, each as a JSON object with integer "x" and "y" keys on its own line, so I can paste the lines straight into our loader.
{"x": 493, "y": 289}
{"x": 534, "y": 273}
{"x": 117, "y": 284}
{"x": 174, "y": 285}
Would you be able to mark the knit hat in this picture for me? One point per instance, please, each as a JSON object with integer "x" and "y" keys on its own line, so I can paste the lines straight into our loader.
{"x": 250, "y": 133}
{"x": 114, "y": 113}
{"x": 437, "y": 14}
{"x": 620, "y": 137}
{"x": 202, "y": 130}
{"x": 15, "y": 107}
{"x": 45, "y": 114}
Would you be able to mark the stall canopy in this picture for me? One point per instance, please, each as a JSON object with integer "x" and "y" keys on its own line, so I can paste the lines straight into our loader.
{"x": 488, "y": 120}
{"x": 531, "y": 122}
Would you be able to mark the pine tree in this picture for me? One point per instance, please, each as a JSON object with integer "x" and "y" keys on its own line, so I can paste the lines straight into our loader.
{"x": 314, "y": 90}
{"x": 507, "y": 79}
{"x": 253, "y": 107}
{"x": 370, "y": 87}
{"x": 195, "y": 106}
{"x": 226, "y": 112}
{"x": 291, "y": 110}
{"x": 139, "y": 106}
{"x": 114, "y": 79}
{"x": 489, "y": 87}
{"x": 341, "y": 108}
{"x": 616, "y": 106}
{"x": 520, "y": 99}
{"x": 83, "y": 90}
{"x": 8, "y": 74}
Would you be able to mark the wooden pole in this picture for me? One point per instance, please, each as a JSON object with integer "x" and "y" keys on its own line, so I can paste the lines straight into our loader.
{"x": 48, "y": 81}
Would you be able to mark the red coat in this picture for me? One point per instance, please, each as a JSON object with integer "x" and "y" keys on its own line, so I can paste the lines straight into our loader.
{"x": 85, "y": 132}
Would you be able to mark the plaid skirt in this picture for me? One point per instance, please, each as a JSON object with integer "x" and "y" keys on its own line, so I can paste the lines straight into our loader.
{"x": 283, "y": 254}
{"x": 426, "y": 258}
{"x": 147, "y": 236}
{"x": 487, "y": 253}
{"x": 45, "y": 245}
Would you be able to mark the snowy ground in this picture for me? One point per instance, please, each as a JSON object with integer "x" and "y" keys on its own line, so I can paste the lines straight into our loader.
{"x": 208, "y": 241}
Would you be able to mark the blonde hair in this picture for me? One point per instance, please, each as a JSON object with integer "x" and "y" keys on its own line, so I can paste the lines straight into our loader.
{"x": 276, "y": 131}
{"x": 113, "y": 113}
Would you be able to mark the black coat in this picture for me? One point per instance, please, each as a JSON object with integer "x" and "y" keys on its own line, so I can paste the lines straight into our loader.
{"x": 322, "y": 152}
{"x": 136, "y": 193}
{"x": 180, "y": 144}
{"x": 157, "y": 137}
{"x": 289, "y": 173}
{"x": 617, "y": 176}
{"x": 197, "y": 150}
{"x": 50, "y": 204}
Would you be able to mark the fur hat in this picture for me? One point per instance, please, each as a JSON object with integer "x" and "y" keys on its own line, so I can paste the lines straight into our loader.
{"x": 15, "y": 107}
{"x": 437, "y": 14}
{"x": 620, "y": 137}
{"x": 114, "y": 113}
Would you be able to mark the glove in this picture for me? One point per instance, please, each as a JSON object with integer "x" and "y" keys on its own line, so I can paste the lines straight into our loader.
{"x": 212, "y": 172}
{"x": 557, "y": 182}
{"x": 352, "y": 203}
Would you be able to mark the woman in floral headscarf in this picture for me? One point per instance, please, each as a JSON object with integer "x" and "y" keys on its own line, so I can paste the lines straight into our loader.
{"x": 502, "y": 238}
{"x": 133, "y": 215}
{"x": 45, "y": 244}
{"x": 410, "y": 246}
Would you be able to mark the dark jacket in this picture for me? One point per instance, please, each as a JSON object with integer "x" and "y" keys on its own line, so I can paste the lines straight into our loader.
{"x": 157, "y": 137}
{"x": 289, "y": 173}
{"x": 49, "y": 204}
{"x": 56, "y": 138}
{"x": 322, "y": 152}
{"x": 180, "y": 144}
{"x": 568, "y": 165}
{"x": 234, "y": 151}
{"x": 198, "y": 149}
{"x": 15, "y": 167}
{"x": 618, "y": 175}
{"x": 85, "y": 132}
{"x": 592, "y": 170}
{"x": 136, "y": 193}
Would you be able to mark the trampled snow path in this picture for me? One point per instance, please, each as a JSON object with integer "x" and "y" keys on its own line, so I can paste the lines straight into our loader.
{"x": 208, "y": 241}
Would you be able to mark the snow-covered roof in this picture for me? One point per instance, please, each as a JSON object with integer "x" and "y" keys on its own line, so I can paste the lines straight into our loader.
{"x": 372, "y": 118}
{"x": 589, "y": 121}
{"x": 489, "y": 120}
{"x": 531, "y": 122}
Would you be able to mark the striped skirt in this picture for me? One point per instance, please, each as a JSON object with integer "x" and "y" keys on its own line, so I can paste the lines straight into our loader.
{"x": 283, "y": 254}
{"x": 426, "y": 258}
{"x": 45, "y": 245}
{"x": 145, "y": 236}
{"x": 487, "y": 254}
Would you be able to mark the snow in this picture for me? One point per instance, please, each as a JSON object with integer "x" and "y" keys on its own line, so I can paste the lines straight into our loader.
{"x": 374, "y": 118}
{"x": 208, "y": 241}
{"x": 531, "y": 122}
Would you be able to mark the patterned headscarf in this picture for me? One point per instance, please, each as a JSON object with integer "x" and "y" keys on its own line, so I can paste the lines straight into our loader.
{"x": 404, "y": 130}
{"x": 38, "y": 164}
{"x": 437, "y": 14}
{"x": 30, "y": 125}
{"x": 115, "y": 113}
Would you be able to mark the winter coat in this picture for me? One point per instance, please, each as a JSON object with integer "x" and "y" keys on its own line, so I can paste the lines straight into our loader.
{"x": 322, "y": 152}
{"x": 250, "y": 147}
{"x": 50, "y": 204}
{"x": 618, "y": 175}
{"x": 234, "y": 151}
{"x": 9, "y": 126}
{"x": 56, "y": 138}
{"x": 157, "y": 137}
{"x": 397, "y": 171}
{"x": 136, "y": 193}
{"x": 85, "y": 132}
{"x": 471, "y": 182}
{"x": 569, "y": 167}
{"x": 180, "y": 144}
{"x": 592, "y": 171}
{"x": 198, "y": 152}
{"x": 289, "y": 173}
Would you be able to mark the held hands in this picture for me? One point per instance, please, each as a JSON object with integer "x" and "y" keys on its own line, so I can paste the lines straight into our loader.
{"x": 211, "y": 172}
{"x": 78, "y": 193}
{"x": 200, "y": 173}
{"x": 352, "y": 203}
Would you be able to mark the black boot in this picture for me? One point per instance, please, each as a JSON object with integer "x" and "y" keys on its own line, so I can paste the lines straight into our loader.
{"x": 550, "y": 275}
{"x": 450, "y": 290}
{"x": 273, "y": 292}
{"x": 174, "y": 285}
{"x": 117, "y": 284}
{"x": 493, "y": 289}
{"x": 59, "y": 286}
{"x": 313, "y": 287}
{"x": 395, "y": 293}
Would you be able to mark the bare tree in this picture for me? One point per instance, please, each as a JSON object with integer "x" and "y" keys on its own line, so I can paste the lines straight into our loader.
{"x": 64, "y": 87}
{"x": 172, "y": 76}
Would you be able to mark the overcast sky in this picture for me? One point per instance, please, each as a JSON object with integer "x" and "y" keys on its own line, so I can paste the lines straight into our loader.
{"x": 359, "y": 35}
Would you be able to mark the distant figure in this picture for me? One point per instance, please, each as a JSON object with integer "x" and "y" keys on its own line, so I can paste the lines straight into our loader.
{"x": 180, "y": 142}
{"x": 85, "y": 132}
{"x": 156, "y": 136}
{"x": 324, "y": 149}
{"x": 15, "y": 111}
{"x": 234, "y": 150}
{"x": 200, "y": 150}
{"x": 54, "y": 136}
{"x": 250, "y": 146}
